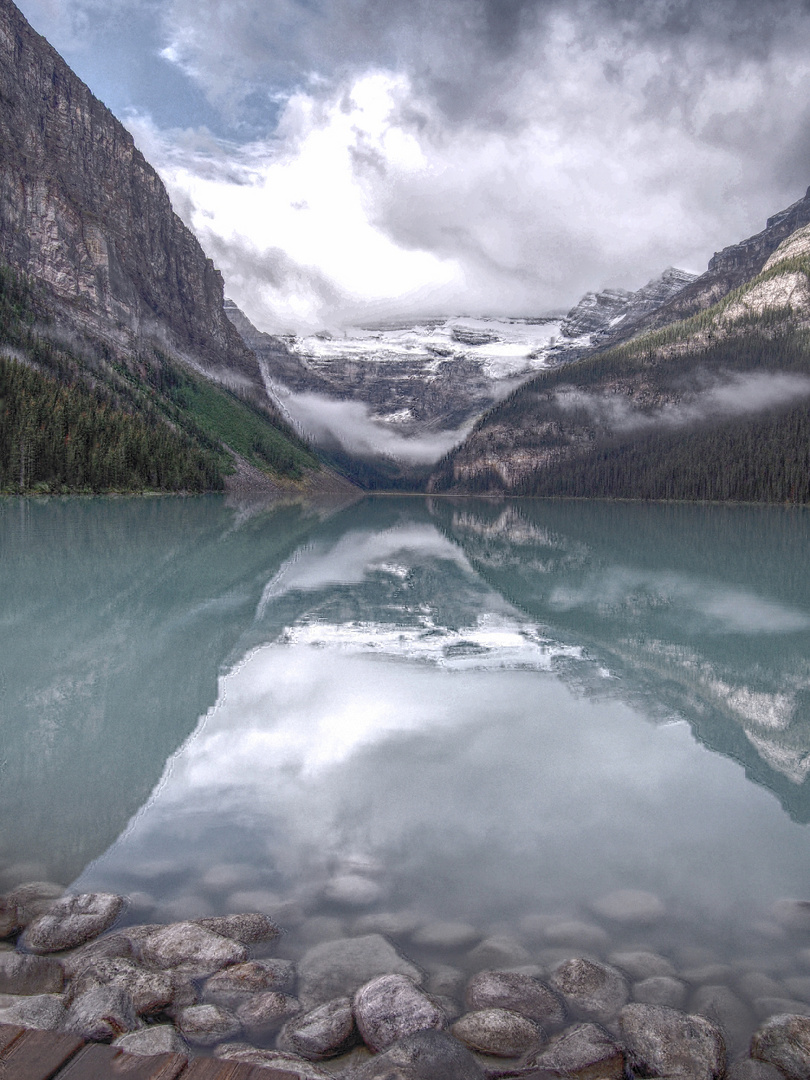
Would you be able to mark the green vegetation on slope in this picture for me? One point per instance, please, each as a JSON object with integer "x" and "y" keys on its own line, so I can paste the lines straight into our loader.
{"x": 88, "y": 422}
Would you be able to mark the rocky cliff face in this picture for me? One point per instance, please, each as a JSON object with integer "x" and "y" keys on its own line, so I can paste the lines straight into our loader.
{"x": 728, "y": 270}
{"x": 84, "y": 213}
{"x": 605, "y": 315}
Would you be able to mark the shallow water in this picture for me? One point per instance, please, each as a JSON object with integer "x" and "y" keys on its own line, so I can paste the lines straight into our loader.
{"x": 416, "y": 711}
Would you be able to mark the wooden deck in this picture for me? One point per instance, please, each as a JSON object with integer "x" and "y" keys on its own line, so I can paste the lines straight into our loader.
{"x": 49, "y": 1055}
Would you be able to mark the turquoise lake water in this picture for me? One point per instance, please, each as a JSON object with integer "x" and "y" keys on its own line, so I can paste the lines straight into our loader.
{"x": 412, "y": 711}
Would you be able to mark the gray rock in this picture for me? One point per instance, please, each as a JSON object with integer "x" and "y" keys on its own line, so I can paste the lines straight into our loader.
{"x": 779, "y": 1006}
{"x": 9, "y": 917}
{"x": 425, "y": 1055}
{"x": 352, "y": 890}
{"x": 271, "y": 1059}
{"x": 155, "y": 1039}
{"x": 263, "y": 1014}
{"x": 103, "y": 948}
{"x": 71, "y": 921}
{"x": 798, "y": 986}
{"x": 207, "y": 1025}
{"x": 392, "y": 923}
{"x": 43, "y": 1011}
{"x": 664, "y": 1042}
{"x": 250, "y": 928}
{"x": 101, "y": 1013}
{"x": 150, "y": 991}
{"x": 498, "y": 951}
{"x": 191, "y": 949}
{"x": 713, "y": 974}
{"x": 576, "y": 935}
{"x": 748, "y": 1069}
{"x": 591, "y": 991}
{"x": 630, "y": 906}
{"x": 234, "y": 985}
{"x": 754, "y": 984}
{"x": 334, "y": 969}
{"x": 640, "y": 964}
{"x": 784, "y": 1041}
{"x": 518, "y": 993}
{"x": 20, "y": 974}
{"x": 661, "y": 990}
{"x": 322, "y": 1033}
{"x": 445, "y": 981}
{"x": 392, "y": 1006}
{"x": 723, "y": 1006}
{"x": 446, "y": 935}
{"x": 499, "y": 1032}
{"x": 582, "y": 1051}
{"x": 34, "y": 899}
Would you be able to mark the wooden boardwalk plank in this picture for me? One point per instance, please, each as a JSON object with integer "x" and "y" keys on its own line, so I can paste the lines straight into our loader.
{"x": 38, "y": 1055}
{"x": 9, "y": 1033}
{"x": 218, "y": 1069}
{"x": 102, "y": 1062}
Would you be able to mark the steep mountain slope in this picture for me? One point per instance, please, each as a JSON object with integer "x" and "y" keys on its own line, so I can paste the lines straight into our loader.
{"x": 712, "y": 407}
{"x": 611, "y": 314}
{"x": 111, "y": 304}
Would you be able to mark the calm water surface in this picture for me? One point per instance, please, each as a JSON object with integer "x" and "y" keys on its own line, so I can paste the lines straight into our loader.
{"x": 413, "y": 711}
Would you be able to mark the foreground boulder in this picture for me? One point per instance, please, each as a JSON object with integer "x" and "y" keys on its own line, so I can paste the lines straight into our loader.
{"x": 784, "y": 1041}
{"x": 520, "y": 993}
{"x": 155, "y": 1039}
{"x": 334, "y": 969}
{"x": 322, "y": 1033}
{"x": 289, "y": 1065}
{"x": 499, "y": 1032}
{"x": 101, "y": 1013}
{"x": 263, "y": 1014}
{"x": 392, "y": 1006}
{"x": 585, "y": 1051}
{"x": 191, "y": 950}
{"x": 43, "y": 1011}
{"x": 251, "y": 928}
{"x": 425, "y": 1055}
{"x": 33, "y": 899}
{"x": 207, "y": 1025}
{"x": 592, "y": 991}
{"x": 71, "y": 921}
{"x": 150, "y": 991}
{"x": 664, "y": 1042}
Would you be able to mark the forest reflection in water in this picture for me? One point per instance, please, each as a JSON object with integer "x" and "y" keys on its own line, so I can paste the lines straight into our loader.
{"x": 417, "y": 709}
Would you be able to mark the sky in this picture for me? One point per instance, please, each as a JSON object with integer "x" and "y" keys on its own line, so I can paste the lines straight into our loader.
{"x": 350, "y": 161}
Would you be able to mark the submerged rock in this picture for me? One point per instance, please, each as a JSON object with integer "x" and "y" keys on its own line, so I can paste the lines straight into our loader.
{"x": 234, "y": 985}
{"x": 784, "y": 1041}
{"x": 664, "y": 1042}
{"x": 34, "y": 899}
{"x": 639, "y": 964}
{"x": 583, "y": 1051}
{"x": 425, "y": 1055}
{"x": 334, "y": 969}
{"x": 590, "y": 990}
{"x": 520, "y": 993}
{"x": 263, "y": 1014}
{"x": 9, "y": 917}
{"x": 321, "y": 1033}
{"x": 71, "y": 921}
{"x": 498, "y": 952}
{"x": 352, "y": 890}
{"x": 630, "y": 906}
{"x": 661, "y": 990}
{"x": 446, "y": 935}
{"x": 392, "y": 1006}
{"x": 499, "y": 1032}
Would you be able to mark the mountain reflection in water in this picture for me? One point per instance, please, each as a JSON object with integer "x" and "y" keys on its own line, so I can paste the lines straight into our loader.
{"x": 463, "y": 708}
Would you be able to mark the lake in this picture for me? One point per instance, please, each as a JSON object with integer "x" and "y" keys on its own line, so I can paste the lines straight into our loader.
{"x": 465, "y": 724}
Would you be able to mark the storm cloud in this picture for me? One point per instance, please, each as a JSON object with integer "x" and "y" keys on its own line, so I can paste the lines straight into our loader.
{"x": 359, "y": 159}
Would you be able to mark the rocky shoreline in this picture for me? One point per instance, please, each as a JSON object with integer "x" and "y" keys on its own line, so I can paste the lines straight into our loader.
{"x": 359, "y": 1008}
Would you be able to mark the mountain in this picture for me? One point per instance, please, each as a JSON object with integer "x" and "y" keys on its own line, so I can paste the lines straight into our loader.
{"x": 606, "y": 315}
{"x": 711, "y": 406}
{"x": 110, "y": 308}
